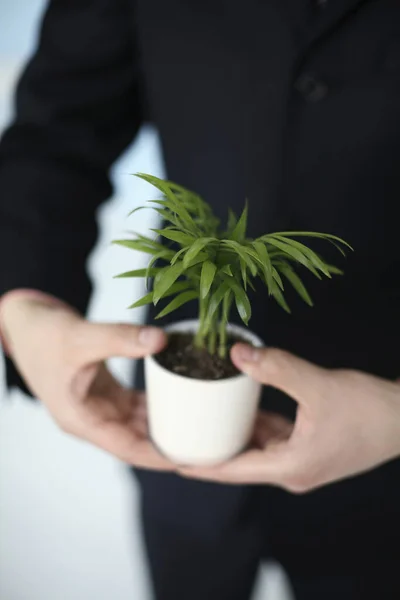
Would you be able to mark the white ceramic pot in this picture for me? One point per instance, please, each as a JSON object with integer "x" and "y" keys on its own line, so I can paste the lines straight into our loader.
{"x": 197, "y": 422}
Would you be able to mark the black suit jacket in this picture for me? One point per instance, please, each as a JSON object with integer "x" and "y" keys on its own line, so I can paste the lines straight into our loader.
{"x": 292, "y": 104}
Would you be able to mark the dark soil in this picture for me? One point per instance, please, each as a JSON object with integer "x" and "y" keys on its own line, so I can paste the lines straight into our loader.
{"x": 182, "y": 357}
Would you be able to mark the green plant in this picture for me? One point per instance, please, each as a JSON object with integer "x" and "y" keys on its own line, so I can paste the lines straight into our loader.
{"x": 196, "y": 260}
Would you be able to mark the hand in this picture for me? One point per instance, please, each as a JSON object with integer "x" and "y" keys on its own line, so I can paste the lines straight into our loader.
{"x": 347, "y": 422}
{"x": 61, "y": 357}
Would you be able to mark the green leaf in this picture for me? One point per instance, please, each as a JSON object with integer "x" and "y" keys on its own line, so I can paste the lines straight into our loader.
{"x": 322, "y": 236}
{"x": 177, "y": 287}
{"x": 150, "y": 242}
{"x": 242, "y": 302}
{"x": 201, "y": 257}
{"x": 159, "y": 184}
{"x": 258, "y": 264}
{"x": 175, "y": 236}
{"x": 135, "y": 245}
{"x": 175, "y": 187}
{"x": 153, "y": 260}
{"x": 227, "y": 270}
{"x": 294, "y": 253}
{"x": 232, "y": 220}
{"x": 296, "y": 282}
{"x": 177, "y": 302}
{"x": 239, "y": 232}
{"x": 334, "y": 270}
{"x": 176, "y": 205}
{"x": 165, "y": 278}
{"x": 279, "y": 297}
{"x": 243, "y": 269}
{"x": 250, "y": 284}
{"x": 136, "y": 209}
{"x": 137, "y": 273}
{"x": 226, "y": 305}
{"x": 243, "y": 253}
{"x": 178, "y": 254}
{"x": 170, "y": 217}
{"x": 147, "y": 299}
{"x": 287, "y": 258}
{"x": 266, "y": 266}
{"x": 214, "y": 303}
{"x": 176, "y": 209}
{"x": 277, "y": 278}
{"x": 307, "y": 252}
{"x": 196, "y": 248}
{"x": 142, "y": 246}
{"x": 207, "y": 277}
{"x": 142, "y": 208}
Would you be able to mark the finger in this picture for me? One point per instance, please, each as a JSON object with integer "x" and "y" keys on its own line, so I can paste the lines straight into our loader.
{"x": 121, "y": 441}
{"x": 139, "y": 419}
{"x": 298, "y": 378}
{"x": 96, "y": 342}
{"x": 141, "y": 402}
{"x": 141, "y": 427}
{"x": 109, "y": 401}
{"x": 253, "y": 467}
{"x": 271, "y": 427}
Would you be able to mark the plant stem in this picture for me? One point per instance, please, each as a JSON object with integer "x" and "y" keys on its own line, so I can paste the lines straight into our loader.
{"x": 222, "y": 339}
{"x": 226, "y": 305}
{"x": 199, "y": 340}
{"x": 212, "y": 338}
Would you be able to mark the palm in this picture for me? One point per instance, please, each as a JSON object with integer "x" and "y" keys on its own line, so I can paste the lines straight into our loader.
{"x": 114, "y": 418}
{"x": 271, "y": 428}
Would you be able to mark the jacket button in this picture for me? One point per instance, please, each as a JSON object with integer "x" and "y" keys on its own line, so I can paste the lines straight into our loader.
{"x": 311, "y": 88}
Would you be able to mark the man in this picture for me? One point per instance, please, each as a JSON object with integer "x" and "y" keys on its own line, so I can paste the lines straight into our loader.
{"x": 293, "y": 104}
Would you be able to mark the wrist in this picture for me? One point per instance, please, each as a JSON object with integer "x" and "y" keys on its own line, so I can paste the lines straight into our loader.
{"x": 22, "y": 294}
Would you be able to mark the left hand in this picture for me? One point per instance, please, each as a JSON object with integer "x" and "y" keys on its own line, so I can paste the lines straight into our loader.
{"x": 347, "y": 422}
{"x": 61, "y": 357}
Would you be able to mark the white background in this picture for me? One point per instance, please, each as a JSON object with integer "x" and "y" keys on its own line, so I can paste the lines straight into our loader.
{"x": 69, "y": 527}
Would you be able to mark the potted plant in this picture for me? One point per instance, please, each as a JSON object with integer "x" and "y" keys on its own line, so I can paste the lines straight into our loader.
{"x": 201, "y": 409}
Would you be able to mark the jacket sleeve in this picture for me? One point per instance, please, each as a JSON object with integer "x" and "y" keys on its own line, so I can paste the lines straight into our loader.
{"x": 77, "y": 106}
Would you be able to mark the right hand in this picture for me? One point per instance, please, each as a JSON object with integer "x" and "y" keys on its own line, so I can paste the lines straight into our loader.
{"x": 61, "y": 358}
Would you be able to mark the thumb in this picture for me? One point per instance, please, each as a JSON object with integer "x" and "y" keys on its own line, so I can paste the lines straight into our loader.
{"x": 298, "y": 378}
{"x": 100, "y": 341}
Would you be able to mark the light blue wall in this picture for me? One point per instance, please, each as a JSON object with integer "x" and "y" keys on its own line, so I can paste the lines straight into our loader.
{"x": 17, "y": 27}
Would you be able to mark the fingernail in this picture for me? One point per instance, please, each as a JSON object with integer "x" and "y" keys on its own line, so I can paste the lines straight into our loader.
{"x": 245, "y": 353}
{"x": 150, "y": 336}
